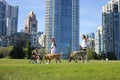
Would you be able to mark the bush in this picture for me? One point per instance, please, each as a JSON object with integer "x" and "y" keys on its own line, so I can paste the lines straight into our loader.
{"x": 17, "y": 53}
{"x": 28, "y": 50}
{"x": 41, "y": 51}
{"x": 5, "y": 51}
{"x": 91, "y": 53}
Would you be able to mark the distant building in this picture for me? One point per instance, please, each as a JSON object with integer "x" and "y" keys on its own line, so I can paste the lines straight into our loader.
{"x": 8, "y": 18}
{"x": 21, "y": 38}
{"x": 13, "y": 39}
{"x": 111, "y": 28}
{"x": 41, "y": 40}
{"x": 34, "y": 39}
{"x": 62, "y": 24}
{"x": 30, "y": 23}
{"x": 3, "y": 41}
{"x": 91, "y": 35}
{"x": 98, "y": 41}
{"x": 91, "y": 43}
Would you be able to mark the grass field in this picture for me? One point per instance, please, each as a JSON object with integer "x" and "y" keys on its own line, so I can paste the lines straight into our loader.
{"x": 11, "y": 69}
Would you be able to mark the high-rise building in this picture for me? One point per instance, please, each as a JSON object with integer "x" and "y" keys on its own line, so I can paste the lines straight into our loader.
{"x": 62, "y": 24}
{"x": 91, "y": 35}
{"x": 8, "y": 18}
{"x": 30, "y": 23}
{"x": 34, "y": 39}
{"x": 111, "y": 28}
{"x": 2, "y": 17}
{"x": 98, "y": 41}
{"x": 41, "y": 40}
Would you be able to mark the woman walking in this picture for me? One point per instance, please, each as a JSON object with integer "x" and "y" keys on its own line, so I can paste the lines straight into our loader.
{"x": 53, "y": 46}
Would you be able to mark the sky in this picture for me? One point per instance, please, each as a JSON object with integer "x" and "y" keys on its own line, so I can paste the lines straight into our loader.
{"x": 90, "y": 13}
{"x": 25, "y": 6}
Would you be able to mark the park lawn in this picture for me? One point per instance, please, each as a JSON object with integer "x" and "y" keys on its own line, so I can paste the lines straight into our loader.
{"x": 15, "y": 69}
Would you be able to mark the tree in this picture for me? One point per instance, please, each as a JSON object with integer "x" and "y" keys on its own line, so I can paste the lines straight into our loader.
{"x": 41, "y": 51}
{"x": 5, "y": 51}
{"x": 17, "y": 52}
{"x": 28, "y": 50}
{"x": 111, "y": 56}
{"x": 92, "y": 54}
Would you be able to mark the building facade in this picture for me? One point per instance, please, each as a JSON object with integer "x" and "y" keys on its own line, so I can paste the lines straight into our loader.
{"x": 111, "y": 27}
{"x": 91, "y": 35}
{"x": 62, "y": 24}
{"x": 3, "y": 18}
{"x": 34, "y": 39}
{"x": 8, "y": 18}
{"x": 41, "y": 40}
{"x": 30, "y": 23}
{"x": 98, "y": 41}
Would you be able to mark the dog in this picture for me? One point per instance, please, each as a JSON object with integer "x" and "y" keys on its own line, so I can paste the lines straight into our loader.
{"x": 49, "y": 57}
{"x": 39, "y": 59}
{"x": 77, "y": 54}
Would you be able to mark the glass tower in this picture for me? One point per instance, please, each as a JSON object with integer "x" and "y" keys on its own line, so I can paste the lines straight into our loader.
{"x": 2, "y": 18}
{"x": 8, "y": 18}
{"x": 62, "y": 24}
{"x": 111, "y": 28}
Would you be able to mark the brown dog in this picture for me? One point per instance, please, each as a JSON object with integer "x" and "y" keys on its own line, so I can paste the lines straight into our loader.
{"x": 49, "y": 57}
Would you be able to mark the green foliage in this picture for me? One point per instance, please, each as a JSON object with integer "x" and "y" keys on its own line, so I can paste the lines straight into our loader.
{"x": 97, "y": 56}
{"x": 109, "y": 55}
{"x": 28, "y": 51}
{"x": 12, "y": 69}
{"x": 17, "y": 52}
{"x": 5, "y": 51}
{"x": 91, "y": 53}
{"x": 41, "y": 52}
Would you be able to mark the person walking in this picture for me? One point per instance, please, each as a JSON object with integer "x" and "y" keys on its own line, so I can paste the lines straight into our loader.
{"x": 84, "y": 46}
{"x": 35, "y": 55}
{"x": 53, "y": 46}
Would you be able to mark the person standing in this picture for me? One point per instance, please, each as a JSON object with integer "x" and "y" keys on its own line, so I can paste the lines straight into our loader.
{"x": 84, "y": 46}
{"x": 53, "y": 46}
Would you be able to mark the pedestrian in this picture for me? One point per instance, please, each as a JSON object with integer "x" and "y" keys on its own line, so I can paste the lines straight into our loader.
{"x": 84, "y": 46}
{"x": 35, "y": 55}
{"x": 53, "y": 46}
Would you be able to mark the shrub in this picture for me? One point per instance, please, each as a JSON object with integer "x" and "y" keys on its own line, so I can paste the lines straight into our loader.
{"x": 5, "y": 51}
{"x": 17, "y": 53}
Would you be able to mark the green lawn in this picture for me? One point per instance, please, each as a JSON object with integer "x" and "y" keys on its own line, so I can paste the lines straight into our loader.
{"x": 11, "y": 69}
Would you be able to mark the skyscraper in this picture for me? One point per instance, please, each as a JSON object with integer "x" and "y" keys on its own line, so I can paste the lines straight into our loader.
{"x": 91, "y": 35}
{"x": 111, "y": 28}
{"x": 8, "y": 18}
{"x": 98, "y": 40}
{"x": 30, "y": 23}
{"x": 62, "y": 24}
